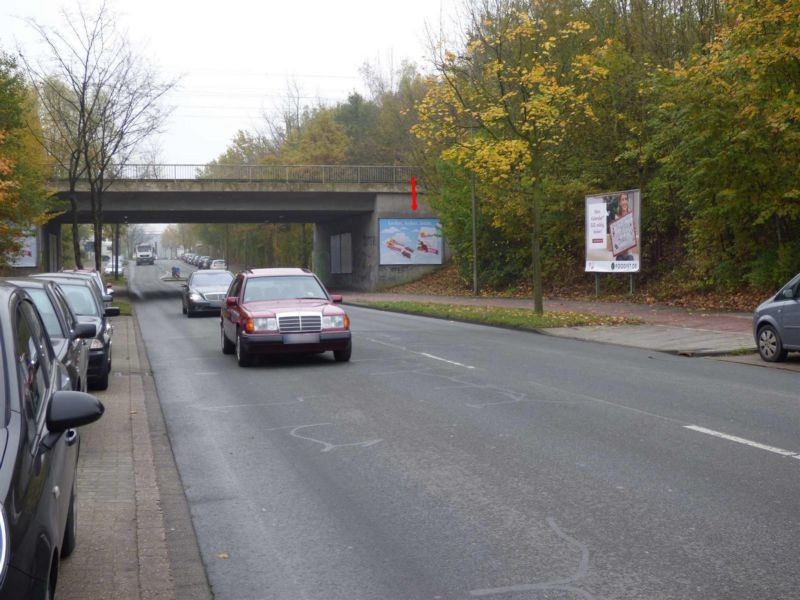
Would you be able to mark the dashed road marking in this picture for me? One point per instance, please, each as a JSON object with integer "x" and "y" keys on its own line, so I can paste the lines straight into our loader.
{"x": 741, "y": 440}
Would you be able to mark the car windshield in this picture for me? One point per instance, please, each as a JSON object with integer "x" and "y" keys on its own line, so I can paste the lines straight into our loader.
{"x": 212, "y": 279}
{"x": 282, "y": 288}
{"x": 81, "y": 300}
{"x": 47, "y": 311}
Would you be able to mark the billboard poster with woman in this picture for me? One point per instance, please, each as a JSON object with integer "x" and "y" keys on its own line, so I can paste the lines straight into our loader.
{"x": 613, "y": 240}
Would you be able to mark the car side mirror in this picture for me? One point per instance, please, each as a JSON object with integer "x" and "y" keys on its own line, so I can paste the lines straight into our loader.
{"x": 68, "y": 409}
{"x": 108, "y": 298}
{"x": 336, "y": 298}
{"x": 787, "y": 294}
{"x": 112, "y": 311}
{"x": 231, "y": 301}
{"x": 84, "y": 331}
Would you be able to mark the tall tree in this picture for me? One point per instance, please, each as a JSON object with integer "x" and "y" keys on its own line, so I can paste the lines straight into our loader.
{"x": 101, "y": 98}
{"x": 507, "y": 103}
{"x": 23, "y": 198}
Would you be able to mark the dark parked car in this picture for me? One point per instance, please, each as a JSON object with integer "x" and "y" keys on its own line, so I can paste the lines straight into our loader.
{"x": 67, "y": 334}
{"x": 38, "y": 453}
{"x": 204, "y": 291}
{"x": 271, "y": 311}
{"x": 204, "y": 263}
{"x": 104, "y": 290}
{"x": 87, "y": 305}
{"x": 776, "y": 323}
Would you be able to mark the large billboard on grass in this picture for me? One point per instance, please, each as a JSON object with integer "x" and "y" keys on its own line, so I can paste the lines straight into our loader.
{"x": 613, "y": 240}
{"x": 410, "y": 241}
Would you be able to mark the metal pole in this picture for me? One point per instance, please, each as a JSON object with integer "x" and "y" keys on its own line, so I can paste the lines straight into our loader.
{"x": 474, "y": 237}
{"x": 116, "y": 251}
{"x": 632, "y": 287}
{"x": 597, "y": 285}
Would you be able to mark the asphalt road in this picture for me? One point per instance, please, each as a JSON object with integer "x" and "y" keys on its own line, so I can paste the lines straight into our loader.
{"x": 454, "y": 461}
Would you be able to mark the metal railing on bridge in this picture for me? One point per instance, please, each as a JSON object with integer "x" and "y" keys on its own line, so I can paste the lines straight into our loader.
{"x": 358, "y": 174}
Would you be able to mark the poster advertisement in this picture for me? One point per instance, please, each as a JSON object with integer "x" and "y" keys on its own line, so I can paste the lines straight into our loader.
{"x": 28, "y": 253}
{"x": 613, "y": 242}
{"x": 410, "y": 241}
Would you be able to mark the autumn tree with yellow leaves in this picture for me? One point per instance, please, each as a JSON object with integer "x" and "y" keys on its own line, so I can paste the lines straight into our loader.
{"x": 507, "y": 108}
{"x": 23, "y": 199}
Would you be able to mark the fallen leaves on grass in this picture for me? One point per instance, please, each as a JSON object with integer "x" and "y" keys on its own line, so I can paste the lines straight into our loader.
{"x": 507, "y": 317}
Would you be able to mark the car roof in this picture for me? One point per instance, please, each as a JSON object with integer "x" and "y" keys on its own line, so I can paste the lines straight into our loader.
{"x": 276, "y": 272}
{"x": 28, "y": 283}
{"x": 66, "y": 279}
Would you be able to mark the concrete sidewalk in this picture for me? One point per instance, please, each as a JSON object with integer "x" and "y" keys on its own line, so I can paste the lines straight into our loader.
{"x": 666, "y": 329}
{"x": 135, "y": 535}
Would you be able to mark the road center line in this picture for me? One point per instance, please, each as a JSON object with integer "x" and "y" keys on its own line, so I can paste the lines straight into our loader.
{"x": 425, "y": 354}
{"x": 744, "y": 441}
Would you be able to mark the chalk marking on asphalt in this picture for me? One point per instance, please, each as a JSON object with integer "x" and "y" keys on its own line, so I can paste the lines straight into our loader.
{"x": 225, "y": 407}
{"x": 565, "y": 584}
{"x": 425, "y": 354}
{"x": 327, "y": 446}
{"x": 741, "y": 440}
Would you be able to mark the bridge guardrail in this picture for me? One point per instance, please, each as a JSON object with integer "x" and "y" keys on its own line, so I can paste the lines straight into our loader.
{"x": 269, "y": 173}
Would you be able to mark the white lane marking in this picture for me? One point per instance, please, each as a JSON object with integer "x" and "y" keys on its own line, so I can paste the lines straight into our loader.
{"x": 741, "y": 440}
{"x": 425, "y": 354}
{"x": 451, "y": 362}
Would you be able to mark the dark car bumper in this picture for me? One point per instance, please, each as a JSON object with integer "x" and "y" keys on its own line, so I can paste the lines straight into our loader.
{"x": 98, "y": 362}
{"x": 291, "y": 343}
{"x": 210, "y": 306}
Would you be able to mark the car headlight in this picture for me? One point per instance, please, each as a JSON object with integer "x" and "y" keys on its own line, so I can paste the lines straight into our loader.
{"x": 5, "y": 544}
{"x": 195, "y": 296}
{"x": 334, "y": 322}
{"x": 96, "y": 344}
{"x": 266, "y": 324}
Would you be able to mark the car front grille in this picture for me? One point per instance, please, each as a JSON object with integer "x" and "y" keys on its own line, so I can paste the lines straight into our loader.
{"x": 300, "y": 323}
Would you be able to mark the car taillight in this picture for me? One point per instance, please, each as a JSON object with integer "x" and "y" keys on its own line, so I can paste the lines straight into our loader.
{"x": 249, "y": 326}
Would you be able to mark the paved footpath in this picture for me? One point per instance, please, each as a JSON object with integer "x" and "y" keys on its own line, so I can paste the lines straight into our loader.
{"x": 135, "y": 536}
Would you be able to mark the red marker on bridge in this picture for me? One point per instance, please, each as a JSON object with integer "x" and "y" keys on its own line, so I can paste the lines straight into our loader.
{"x": 413, "y": 193}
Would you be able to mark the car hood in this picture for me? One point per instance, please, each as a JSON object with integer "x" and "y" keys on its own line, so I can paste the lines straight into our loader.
{"x": 210, "y": 289}
{"x": 287, "y": 306}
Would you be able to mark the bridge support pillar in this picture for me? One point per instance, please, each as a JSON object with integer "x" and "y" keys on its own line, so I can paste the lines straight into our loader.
{"x": 50, "y": 236}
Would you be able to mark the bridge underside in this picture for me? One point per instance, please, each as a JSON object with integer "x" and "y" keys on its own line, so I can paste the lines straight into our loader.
{"x": 222, "y": 207}
{"x": 334, "y": 213}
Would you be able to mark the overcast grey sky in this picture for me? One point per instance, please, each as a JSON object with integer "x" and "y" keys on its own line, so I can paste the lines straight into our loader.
{"x": 236, "y": 57}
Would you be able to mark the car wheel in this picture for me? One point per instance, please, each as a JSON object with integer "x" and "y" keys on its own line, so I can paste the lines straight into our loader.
{"x": 770, "y": 346}
{"x": 343, "y": 355}
{"x": 228, "y": 347}
{"x": 71, "y": 529}
{"x": 189, "y": 312}
{"x": 242, "y": 356}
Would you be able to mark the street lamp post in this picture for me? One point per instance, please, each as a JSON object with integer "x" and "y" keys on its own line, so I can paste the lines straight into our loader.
{"x": 474, "y": 236}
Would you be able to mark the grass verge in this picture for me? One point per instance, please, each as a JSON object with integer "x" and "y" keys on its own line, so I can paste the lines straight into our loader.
{"x": 517, "y": 318}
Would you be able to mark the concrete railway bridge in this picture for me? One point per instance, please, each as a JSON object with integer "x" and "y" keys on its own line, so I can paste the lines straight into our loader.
{"x": 344, "y": 203}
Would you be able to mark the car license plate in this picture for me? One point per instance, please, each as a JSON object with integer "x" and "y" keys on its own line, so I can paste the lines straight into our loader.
{"x": 301, "y": 338}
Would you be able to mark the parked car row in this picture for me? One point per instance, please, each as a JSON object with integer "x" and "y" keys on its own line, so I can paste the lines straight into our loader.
{"x": 205, "y": 262}
{"x": 46, "y": 368}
